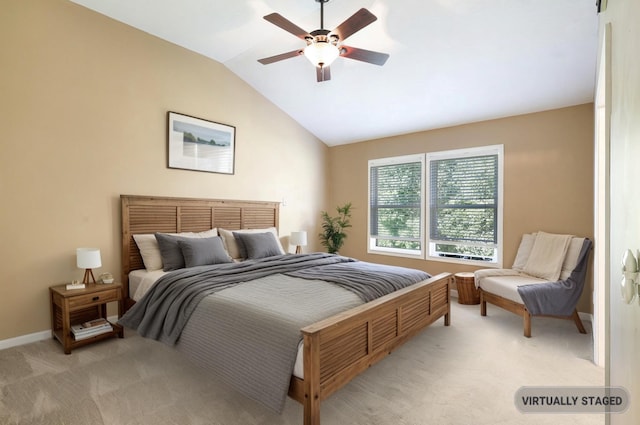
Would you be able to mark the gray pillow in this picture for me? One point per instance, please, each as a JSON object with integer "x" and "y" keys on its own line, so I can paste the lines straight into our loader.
{"x": 203, "y": 251}
{"x": 257, "y": 245}
{"x": 170, "y": 252}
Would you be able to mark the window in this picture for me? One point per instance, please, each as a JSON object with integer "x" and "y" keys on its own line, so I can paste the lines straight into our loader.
{"x": 465, "y": 205}
{"x": 462, "y": 213}
{"x": 396, "y": 216}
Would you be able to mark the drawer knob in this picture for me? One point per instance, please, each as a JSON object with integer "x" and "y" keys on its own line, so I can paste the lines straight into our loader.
{"x": 96, "y": 298}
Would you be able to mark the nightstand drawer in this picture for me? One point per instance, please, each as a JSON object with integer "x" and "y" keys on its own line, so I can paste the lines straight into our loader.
{"x": 96, "y": 298}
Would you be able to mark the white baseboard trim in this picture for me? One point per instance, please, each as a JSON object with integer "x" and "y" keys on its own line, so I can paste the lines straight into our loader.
{"x": 25, "y": 339}
{"x": 34, "y": 337}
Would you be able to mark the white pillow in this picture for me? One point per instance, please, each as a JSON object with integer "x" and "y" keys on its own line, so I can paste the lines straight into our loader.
{"x": 232, "y": 246}
{"x": 150, "y": 251}
{"x": 526, "y": 245}
{"x": 547, "y": 256}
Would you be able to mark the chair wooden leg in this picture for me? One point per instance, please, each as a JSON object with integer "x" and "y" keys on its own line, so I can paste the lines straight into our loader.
{"x": 576, "y": 318}
{"x": 527, "y": 323}
{"x": 483, "y": 305}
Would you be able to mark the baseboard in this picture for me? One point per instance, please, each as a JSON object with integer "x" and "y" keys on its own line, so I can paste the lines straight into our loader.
{"x": 25, "y": 339}
{"x": 34, "y": 337}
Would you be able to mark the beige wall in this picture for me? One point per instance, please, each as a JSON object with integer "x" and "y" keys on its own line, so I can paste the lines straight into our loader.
{"x": 548, "y": 178}
{"x": 623, "y": 361}
{"x": 83, "y": 115}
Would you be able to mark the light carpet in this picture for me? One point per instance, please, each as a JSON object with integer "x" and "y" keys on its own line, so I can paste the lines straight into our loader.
{"x": 466, "y": 373}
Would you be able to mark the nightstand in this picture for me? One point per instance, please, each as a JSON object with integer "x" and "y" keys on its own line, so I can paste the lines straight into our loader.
{"x": 74, "y": 306}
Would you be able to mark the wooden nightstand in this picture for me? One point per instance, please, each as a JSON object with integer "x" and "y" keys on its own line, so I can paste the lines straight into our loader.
{"x": 73, "y": 306}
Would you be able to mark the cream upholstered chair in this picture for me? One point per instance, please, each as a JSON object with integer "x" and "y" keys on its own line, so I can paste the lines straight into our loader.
{"x": 546, "y": 279}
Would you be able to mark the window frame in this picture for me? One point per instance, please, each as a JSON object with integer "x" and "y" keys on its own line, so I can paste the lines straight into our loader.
{"x": 425, "y": 211}
{"x": 465, "y": 153}
{"x": 371, "y": 241}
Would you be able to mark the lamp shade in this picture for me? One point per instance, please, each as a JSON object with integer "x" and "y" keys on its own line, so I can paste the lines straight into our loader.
{"x": 88, "y": 258}
{"x": 321, "y": 53}
{"x": 298, "y": 238}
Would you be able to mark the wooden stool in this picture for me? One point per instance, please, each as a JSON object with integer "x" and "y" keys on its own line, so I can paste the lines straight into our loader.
{"x": 467, "y": 292}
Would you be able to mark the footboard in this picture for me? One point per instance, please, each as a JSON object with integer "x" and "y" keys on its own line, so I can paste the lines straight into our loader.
{"x": 340, "y": 347}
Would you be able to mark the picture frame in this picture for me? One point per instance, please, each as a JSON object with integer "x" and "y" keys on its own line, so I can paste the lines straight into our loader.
{"x": 200, "y": 145}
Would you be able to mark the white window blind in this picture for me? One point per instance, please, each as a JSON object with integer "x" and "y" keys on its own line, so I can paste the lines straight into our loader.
{"x": 465, "y": 204}
{"x": 396, "y": 205}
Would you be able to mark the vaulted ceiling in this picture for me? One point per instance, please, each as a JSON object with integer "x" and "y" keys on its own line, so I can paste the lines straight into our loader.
{"x": 451, "y": 61}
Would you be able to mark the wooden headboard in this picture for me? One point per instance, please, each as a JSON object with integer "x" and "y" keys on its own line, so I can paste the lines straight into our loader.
{"x": 150, "y": 214}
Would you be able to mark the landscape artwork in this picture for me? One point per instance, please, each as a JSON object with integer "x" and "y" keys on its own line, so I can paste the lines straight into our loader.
{"x": 200, "y": 145}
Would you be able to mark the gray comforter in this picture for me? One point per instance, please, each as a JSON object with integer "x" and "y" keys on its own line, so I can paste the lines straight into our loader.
{"x": 248, "y": 335}
{"x": 164, "y": 310}
{"x": 247, "y": 331}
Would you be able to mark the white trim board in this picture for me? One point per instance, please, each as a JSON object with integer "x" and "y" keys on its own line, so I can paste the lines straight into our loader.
{"x": 34, "y": 337}
{"x": 25, "y": 339}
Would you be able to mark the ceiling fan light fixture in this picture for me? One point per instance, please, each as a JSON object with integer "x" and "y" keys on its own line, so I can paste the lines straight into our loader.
{"x": 321, "y": 53}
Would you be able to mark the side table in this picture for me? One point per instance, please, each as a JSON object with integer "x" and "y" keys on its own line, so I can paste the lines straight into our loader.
{"x": 467, "y": 292}
{"x": 74, "y": 306}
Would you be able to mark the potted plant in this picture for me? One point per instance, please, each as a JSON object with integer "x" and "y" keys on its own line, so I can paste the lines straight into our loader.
{"x": 333, "y": 234}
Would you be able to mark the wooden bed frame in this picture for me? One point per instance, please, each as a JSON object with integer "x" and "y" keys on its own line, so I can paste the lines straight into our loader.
{"x": 335, "y": 349}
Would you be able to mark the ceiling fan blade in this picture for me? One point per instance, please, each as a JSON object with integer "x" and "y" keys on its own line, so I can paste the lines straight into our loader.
{"x": 281, "y": 56}
{"x": 282, "y": 22}
{"x": 323, "y": 73}
{"x": 355, "y": 23}
{"x": 363, "y": 55}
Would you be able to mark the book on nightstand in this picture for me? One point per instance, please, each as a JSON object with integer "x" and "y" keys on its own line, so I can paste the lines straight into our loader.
{"x": 95, "y": 322}
{"x": 96, "y": 327}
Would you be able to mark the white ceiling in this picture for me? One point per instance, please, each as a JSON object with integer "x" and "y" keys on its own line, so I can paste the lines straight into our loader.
{"x": 451, "y": 61}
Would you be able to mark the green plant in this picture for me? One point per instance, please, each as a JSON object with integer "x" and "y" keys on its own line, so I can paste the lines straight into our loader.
{"x": 333, "y": 234}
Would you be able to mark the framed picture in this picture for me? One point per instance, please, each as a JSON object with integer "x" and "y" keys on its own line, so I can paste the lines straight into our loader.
{"x": 201, "y": 145}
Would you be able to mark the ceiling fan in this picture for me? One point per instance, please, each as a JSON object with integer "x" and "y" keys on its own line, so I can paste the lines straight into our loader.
{"x": 324, "y": 46}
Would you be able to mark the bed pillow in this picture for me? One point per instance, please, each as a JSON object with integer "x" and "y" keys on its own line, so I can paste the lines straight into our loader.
{"x": 257, "y": 245}
{"x": 232, "y": 246}
{"x": 206, "y": 234}
{"x": 170, "y": 251}
{"x": 150, "y": 251}
{"x": 203, "y": 251}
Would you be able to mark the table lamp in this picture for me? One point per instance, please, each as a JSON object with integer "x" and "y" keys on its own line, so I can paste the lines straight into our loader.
{"x": 299, "y": 239}
{"x": 87, "y": 259}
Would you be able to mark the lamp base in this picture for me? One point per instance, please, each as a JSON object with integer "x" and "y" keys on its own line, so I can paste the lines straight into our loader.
{"x": 87, "y": 273}
{"x": 298, "y": 249}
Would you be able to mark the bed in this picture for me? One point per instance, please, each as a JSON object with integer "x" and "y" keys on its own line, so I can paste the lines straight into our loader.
{"x": 334, "y": 349}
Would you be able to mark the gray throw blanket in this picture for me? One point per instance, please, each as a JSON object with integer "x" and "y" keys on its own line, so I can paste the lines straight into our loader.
{"x": 164, "y": 310}
{"x": 558, "y": 298}
{"x": 367, "y": 280}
